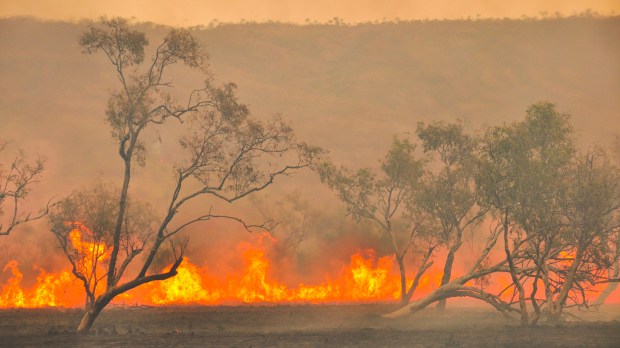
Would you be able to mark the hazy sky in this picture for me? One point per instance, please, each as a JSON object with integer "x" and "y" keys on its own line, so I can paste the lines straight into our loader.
{"x": 193, "y": 12}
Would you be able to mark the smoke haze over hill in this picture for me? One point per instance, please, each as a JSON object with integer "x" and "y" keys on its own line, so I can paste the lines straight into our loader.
{"x": 348, "y": 89}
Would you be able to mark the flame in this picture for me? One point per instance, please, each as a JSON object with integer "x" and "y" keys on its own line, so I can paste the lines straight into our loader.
{"x": 93, "y": 254}
{"x": 47, "y": 292}
{"x": 186, "y": 287}
{"x": 366, "y": 278}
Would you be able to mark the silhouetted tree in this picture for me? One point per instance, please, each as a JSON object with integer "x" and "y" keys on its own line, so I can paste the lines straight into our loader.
{"x": 229, "y": 153}
{"x": 16, "y": 179}
{"x": 384, "y": 200}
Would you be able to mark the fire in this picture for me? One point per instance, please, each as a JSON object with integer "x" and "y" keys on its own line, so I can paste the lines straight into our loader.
{"x": 47, "y": 292}
{"x": 93, "y": 254}
{"x": 366, "y": 278}
{"x": 186, "y": 287}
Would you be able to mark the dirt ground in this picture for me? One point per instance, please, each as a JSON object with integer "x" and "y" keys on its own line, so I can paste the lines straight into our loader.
{"x": 302, "y": 326}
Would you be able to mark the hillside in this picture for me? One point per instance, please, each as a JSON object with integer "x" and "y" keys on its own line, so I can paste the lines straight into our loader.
{"x": 349, "y": 89}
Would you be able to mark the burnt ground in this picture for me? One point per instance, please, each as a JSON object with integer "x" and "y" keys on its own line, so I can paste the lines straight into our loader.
{"x": 302, "y": 326}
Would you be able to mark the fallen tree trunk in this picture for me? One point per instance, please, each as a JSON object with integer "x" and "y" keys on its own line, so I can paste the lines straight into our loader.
{"x": 457, "y": 288}
{"x": 450, "y": 291}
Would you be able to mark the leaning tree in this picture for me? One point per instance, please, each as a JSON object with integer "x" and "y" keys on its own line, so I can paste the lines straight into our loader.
{"x": 228, "y": 154}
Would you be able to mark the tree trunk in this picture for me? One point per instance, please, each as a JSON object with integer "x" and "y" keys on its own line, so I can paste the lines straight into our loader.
{"x": 513, "y": 273}
{"x": 445, "y": 278}
{"x": 89, "y": 317}
{"x": 122, "y": 207}
{"x": 416, "y": 305}
{"x": 447, "y": 291}
{"x": 556, "y": 306}
{"x": 535, "y": 306}
{"x": 404, "y": 295}
{"x": 416, "y": 280}
{"x": 554, "y": 312}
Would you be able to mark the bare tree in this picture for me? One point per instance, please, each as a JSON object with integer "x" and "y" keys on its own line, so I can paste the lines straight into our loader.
{"x": 16, "y": 180}
{"x": 229, "y": 153}
{"x": 293, "y": 220}
{"x": 384, "y": 202}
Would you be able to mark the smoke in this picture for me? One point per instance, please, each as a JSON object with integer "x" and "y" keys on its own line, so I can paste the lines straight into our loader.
{"x": 348, "y": 90}
{"x": 192, "y": 12}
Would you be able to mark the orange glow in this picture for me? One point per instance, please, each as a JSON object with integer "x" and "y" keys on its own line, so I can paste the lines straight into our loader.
{"x": 48, "y": 291}
{"x": 93, "y": 255}
{"x": 366, "y": 278}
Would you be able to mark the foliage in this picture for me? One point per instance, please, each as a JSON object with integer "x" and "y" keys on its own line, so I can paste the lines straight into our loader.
{"x": 383, "y": 200}
{"x": 229, "y": 154}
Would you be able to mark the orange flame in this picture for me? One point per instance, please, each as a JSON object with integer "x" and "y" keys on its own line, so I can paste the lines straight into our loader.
{"x": 362, "y": 281}
{"x": 47, "y": 292}
{"x": 366, "y": 278}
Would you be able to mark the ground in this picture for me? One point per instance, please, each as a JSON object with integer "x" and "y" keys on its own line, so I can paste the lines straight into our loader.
{"x": 302, "y": 326}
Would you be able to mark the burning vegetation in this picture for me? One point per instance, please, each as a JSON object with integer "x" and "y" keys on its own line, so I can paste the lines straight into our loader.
{"x": 540, "y": 219}
{"x": 365, "y": 279}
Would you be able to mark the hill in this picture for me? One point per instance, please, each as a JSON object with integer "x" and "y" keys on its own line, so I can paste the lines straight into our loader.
{"x": 349, "y": 89}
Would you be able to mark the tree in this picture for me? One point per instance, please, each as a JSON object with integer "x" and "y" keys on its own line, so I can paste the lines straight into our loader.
{"x": 448, "y": 194}
{"x": 229, "y": 154}
{"x": 517, "y": 178}
{"x": 16, "y": 180}
{"x": 293, "y": 218}
{"x": 83, "y": 224}
{"x": 588, "y": 242}
{"x": 613, "y": 276}
{"x": 556, "y": 210}
{"x": 384, "y": 200}
{"x": 523, "y": 176}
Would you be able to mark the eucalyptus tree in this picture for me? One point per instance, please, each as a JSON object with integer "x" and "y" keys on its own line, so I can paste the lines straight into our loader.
{"x": 226, "y": 153}
{"x": 588, "y": 242}
{"x": 545, "y": 159}
{"x": 448, "y": 193}
{"x": 557, "y": 211}
{"x": 381, "y": 197}
{"x": 613, "y": 274}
